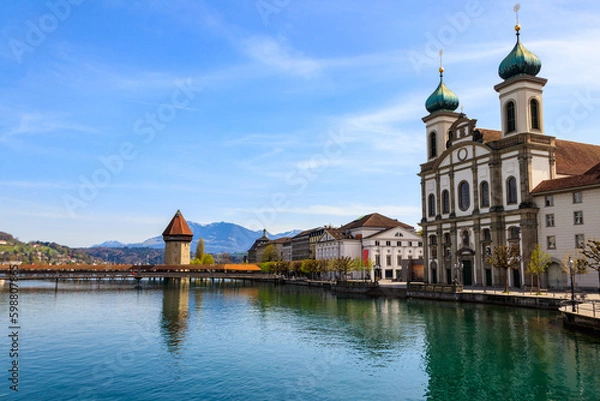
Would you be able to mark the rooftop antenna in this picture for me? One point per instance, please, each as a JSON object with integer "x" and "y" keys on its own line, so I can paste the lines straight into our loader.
{"x": 441, "y": 70}
{"x": 516, "y": 9}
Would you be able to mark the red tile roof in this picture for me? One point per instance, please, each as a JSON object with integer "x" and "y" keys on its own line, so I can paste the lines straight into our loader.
{"x": 178, "y": 227}
{"x": 375, "y": 220}
{"x": 590, "y": 177}
{"x": 575, "y": 158}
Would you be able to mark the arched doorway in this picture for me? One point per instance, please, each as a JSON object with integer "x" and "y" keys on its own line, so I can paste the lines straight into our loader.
{"x": 557, "y": 278}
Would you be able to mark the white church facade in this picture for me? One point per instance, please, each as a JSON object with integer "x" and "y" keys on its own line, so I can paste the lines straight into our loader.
{"x": 482, "y": 188}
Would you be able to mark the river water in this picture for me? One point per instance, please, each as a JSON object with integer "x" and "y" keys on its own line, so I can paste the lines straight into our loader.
{"x": 241, "y": 341}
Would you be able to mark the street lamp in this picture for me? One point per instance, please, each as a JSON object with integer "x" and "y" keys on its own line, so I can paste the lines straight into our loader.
{"x": 458, "y": 266}
{"x": 572, "y": 284}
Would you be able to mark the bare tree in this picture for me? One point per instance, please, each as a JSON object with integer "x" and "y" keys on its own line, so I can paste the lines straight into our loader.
{"x": 505, "y": 257}
{"x": 591, "y": 251}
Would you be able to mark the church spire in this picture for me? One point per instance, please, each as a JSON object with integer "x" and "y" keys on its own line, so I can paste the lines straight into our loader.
{"x": 442, "y": 98}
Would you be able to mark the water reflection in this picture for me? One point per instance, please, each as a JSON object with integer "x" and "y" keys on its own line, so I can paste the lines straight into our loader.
{"x": 481, "y": 352}
{"x": 175, "y": 313}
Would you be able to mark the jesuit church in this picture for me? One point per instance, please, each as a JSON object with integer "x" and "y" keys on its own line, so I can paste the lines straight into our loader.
{"x": 482, "y": 188}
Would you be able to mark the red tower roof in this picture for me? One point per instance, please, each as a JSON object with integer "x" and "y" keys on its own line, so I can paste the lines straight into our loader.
{"x": 178, "y": 229}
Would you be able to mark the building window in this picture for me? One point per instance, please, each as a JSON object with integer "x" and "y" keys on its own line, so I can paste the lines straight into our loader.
{"x": 399, "y": 260}
{"x": 578, "y": 217}
{"x": 485, "y": 194}
{"x": 447, "y": 239}
{"x": 579, "y": 240}
{"x": 398, "y": 243}
{"x": 513, "y": 233}
{"x": 445, "y": 201}
{"x": 431, "y": 205}
{"x": 377, "y": 260}
{"x": 388, "y": 260}
{"x": 549, "y": 200}
{"x": 577, "y": 197}
{"x": 551, "y": 242}
{"x": 376, "y": 243}
{"x": 432, "y": 240}
{"x": 550, "y": 220}
{"x": 420, "y": 243}
{"x": 388, "y": 243}
{"x": 465, "y": 239}
{"x": 464, "y": 199}
{"x": 511, "y": 124}
{"x": 410, "y": 243}
{"x": 487, "y": 235}
{"x": 535, "y": 114}
{"x": 432, "y": 145}
{"x": 511, "y": 190}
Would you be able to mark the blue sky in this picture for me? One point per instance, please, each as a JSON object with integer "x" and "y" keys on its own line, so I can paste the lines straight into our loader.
{"x": 280, "y": 114}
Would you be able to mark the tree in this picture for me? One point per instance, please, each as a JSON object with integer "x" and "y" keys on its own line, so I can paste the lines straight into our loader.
{"x": 505, "y": 257}
{"x": 208, "y": 259}
{"x": 362, "y": 265}
{"x": 200, "y": 249}
{"x": 343, "y": 265}
{"x": 591, "y": 251}
{"x": 538, "y": 263}
{"x": 269, "y": 254}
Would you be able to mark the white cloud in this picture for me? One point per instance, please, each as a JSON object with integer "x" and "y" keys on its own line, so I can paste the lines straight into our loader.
{"x": 280, "y": 56}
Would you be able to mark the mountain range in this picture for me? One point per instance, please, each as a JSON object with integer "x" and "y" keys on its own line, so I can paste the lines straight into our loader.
{"x": 218, "y": 238}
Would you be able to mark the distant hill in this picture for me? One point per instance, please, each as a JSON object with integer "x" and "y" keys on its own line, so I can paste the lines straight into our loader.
{"x": 218, "y": 238}
{"x": 40, "y": 252}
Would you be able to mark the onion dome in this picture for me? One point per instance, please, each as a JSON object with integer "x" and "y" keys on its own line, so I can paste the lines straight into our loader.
{"x": 442, "y": 98}
{"x": 519, "y": 61}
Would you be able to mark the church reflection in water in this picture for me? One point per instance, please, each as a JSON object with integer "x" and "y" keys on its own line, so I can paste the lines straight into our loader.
{"x": 175, "y": 313}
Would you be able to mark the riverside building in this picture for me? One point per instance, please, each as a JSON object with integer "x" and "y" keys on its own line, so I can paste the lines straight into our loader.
{"x": 482, "y": 188}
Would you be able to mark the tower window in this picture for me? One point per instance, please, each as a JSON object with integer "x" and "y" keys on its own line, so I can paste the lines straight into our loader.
{"x": 485, "y": 194}
{"x": 511, "y": 124}
{"x": 431, "y": 205}
{"x": 535, "y": 114}
{"x": 511, "y": 190}
{"x": 445, "y": 201}
{"x": 432, "y": 145}
{"x": 464, "y": 198}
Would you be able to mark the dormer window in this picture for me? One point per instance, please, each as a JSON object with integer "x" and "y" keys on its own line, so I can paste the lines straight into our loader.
{"x": 511, "y": 120}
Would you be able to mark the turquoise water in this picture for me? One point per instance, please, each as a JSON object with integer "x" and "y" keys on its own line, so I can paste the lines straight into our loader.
{"x": 237, "y": 341}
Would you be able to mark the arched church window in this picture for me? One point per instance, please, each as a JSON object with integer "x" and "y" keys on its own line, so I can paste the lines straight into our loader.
{"x": 487, "y": 235}
{"x": 432, "y": 145}
{"x": 511, "y": 190}
{"x": 485, "y": 194}
{"x": 465, "y": 239}
{"x": 464, "y": 198}
{"x": 445, "y": 201}
{"x": 431, "y": 205}
{"x": 511, "y": 121}
{"x": 535, "y": 114}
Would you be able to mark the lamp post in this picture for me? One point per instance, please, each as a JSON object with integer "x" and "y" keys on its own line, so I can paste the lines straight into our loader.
{"x": 458, "y": 266}
{"x": 572, "y": 284}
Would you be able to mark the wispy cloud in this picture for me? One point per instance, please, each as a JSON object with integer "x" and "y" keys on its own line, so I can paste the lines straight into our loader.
{"x": 38, "y": 122}
{"x": 280, "y": 56}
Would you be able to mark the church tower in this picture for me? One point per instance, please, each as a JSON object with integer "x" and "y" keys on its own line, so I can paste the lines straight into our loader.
{"x": 440, "y": 105}
{"x": 177, "y": 237}
{"x": 521, "y": 101}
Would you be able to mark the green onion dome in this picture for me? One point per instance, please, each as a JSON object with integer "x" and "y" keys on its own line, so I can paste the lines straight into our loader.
{"x": 442, "y": 98}
{"x": 519, "y": 61}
